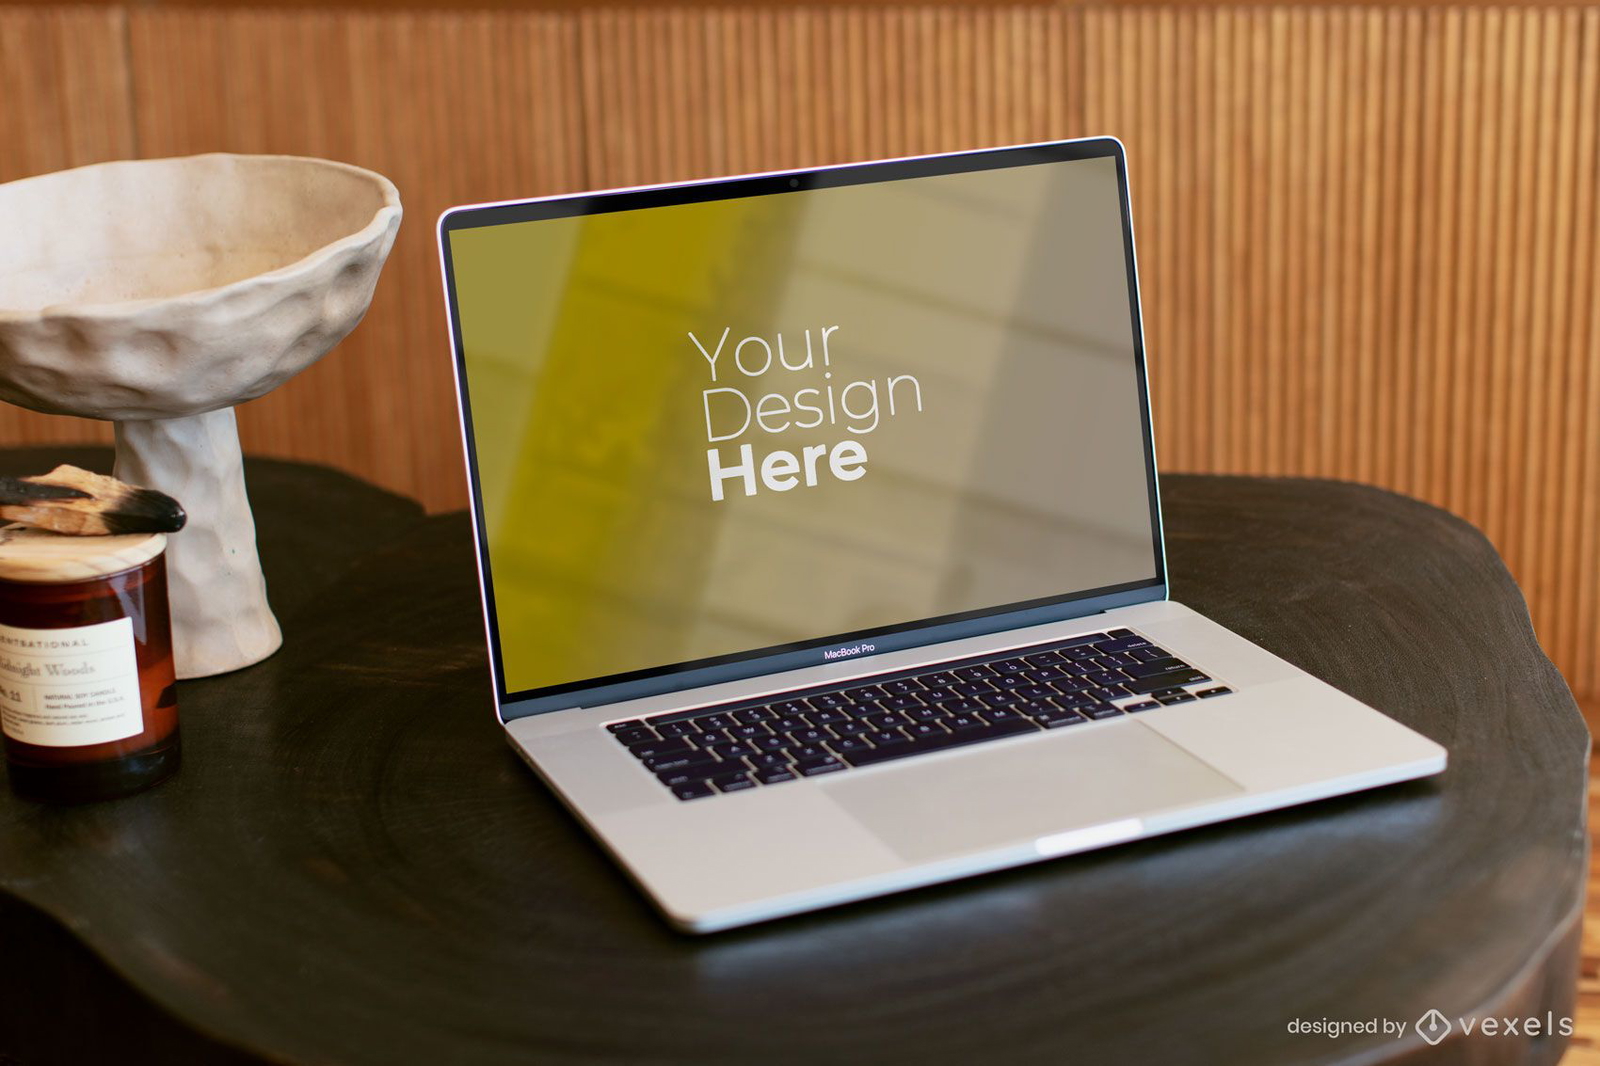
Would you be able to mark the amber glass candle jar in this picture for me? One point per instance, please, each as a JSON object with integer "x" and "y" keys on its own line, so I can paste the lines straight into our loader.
{"x": 88, "y": 701}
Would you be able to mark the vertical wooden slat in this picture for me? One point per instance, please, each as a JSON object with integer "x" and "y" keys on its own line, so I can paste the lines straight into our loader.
{"x": 1582, "y": 617}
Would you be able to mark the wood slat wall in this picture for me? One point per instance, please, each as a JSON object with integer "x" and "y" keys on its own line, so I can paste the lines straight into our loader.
{"x": 1368, "y": 235}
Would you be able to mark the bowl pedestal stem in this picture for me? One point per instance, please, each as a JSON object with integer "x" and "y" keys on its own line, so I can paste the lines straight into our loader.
{"x": 220, "y": 617}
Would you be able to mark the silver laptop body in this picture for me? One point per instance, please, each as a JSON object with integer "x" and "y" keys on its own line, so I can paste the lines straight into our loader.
{"x": 817, "y": 524}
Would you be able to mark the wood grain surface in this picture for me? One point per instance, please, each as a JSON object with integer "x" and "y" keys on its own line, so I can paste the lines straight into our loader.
{"x": 1369, "y": 235}
{"x": 353, "y": 867}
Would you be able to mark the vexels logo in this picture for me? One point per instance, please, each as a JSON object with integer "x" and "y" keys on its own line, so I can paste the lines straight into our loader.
{"x": 1433, "y": 1026}
{"x": 847, "y": 652}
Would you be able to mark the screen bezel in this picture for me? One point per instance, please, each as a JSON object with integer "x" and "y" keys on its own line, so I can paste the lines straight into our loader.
{"x": 653, "y": 681}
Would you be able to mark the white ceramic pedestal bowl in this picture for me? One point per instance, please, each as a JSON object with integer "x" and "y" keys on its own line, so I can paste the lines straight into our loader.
{"x": 158, "y": 294}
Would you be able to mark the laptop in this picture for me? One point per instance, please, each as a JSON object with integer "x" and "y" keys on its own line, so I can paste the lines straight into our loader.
{"x": 817, "y": 523}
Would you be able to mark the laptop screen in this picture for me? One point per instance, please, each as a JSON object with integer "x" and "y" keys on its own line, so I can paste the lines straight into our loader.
{"x": 800, "y": 413}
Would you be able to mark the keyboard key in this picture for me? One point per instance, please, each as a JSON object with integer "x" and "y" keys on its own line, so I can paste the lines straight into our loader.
{"x": 678, "y": 761}
{"x": 1106, "y": 677}
{"x": 1043, "y": 659}
{"x": 903, "y": 687}
{"x": 1099, "y": 711}
{"x": 715, "y": 721}
{"x": 1145, "y": 705}
{"x": 973, "y": 688}
{"x": 938, "y": 679}
{"x": 646, "y": 748}
{"x": 830, "y": 701}
{"x": 881, "y": 752}
{"x": 963, "y": 721}
{"x": 1034, "y": 692}
{"x": 1147, "y": 654}
{"x": 1120, "y": 633}
{"x": 1157, "y": 666}
{"x": 1170, "y": 679}
{"x": 822, "y": 765}
{"x": 850, "y": 727}
{"x": 1077, "y": 655}
{"x": 1009, "y": 666}
{"x": 803, "y": 752}
{"x": 636, "y": 735}
{"x": 695, "y": 771}
{"x": 770, "y": 743}
{"x": 844, "y": 744}
{"x": 732, "y": 782}
{"x": 938, "y": 694}
{"x": 788, "y": 723}
{"x": 705, "y": 740}
{"x": 818, "y": 719}
{"x": 1000, "y": 699}
{"x": 733, "y": 749}
{"x": 809, "y": 736}
{"x": 1055, "y": 719}
{"x": 1009, "y": 681}
{"x": 790, "y": 707}
{"x": 926, "y": 714}
{"x": 1122, "y": 644}
{"x": 1109, "y": 692}
{"x": 1001, "y": 714}
{"x": 865, "y": 692}
{"x": 766, "y": 760}
{"x": 885, "y": 736}
{"x": 677, "y": 729}
{"x": 774, "y": 775}
{"x": 886, "y": 720}
{"x": 925, "y": 729}
{"x": 973, "y": 673}
{"x": 900, "y": 703}
{"x": 691, "y": 790}
{"x": 1210, "y": 692}
{"x": 888, "y": 754}
{"x": 632, "y": 723}
{"x": 1176, "y": 697}
{"x": 749, "y": 732}
{"x": 1042, "y": 674}
{"x": 754, "y": 715}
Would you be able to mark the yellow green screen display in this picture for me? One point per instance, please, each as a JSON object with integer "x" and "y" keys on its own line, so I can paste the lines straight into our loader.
{"x": 710, "y": 428}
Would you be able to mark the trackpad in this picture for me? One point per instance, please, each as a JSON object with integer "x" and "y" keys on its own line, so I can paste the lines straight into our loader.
{"x": 991, "y": 796}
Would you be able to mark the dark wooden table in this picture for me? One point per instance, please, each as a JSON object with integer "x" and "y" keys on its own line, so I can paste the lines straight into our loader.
{"x": 352, "y": 866}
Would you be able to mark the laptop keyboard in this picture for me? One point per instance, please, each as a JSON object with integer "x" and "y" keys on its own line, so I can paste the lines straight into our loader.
{"x": 830, "y": 729}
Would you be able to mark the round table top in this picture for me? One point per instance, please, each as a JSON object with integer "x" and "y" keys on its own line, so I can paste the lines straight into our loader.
{"x": 353, "y": 867}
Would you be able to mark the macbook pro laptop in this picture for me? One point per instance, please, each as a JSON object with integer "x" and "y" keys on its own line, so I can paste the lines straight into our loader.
{"x": 817, "y": 523}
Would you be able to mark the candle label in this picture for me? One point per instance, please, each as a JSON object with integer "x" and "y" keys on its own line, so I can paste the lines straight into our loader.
{"x": 64, "y": 688}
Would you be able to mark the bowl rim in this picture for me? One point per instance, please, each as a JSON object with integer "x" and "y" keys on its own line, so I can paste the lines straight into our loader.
{"x": 390, "y": 208}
